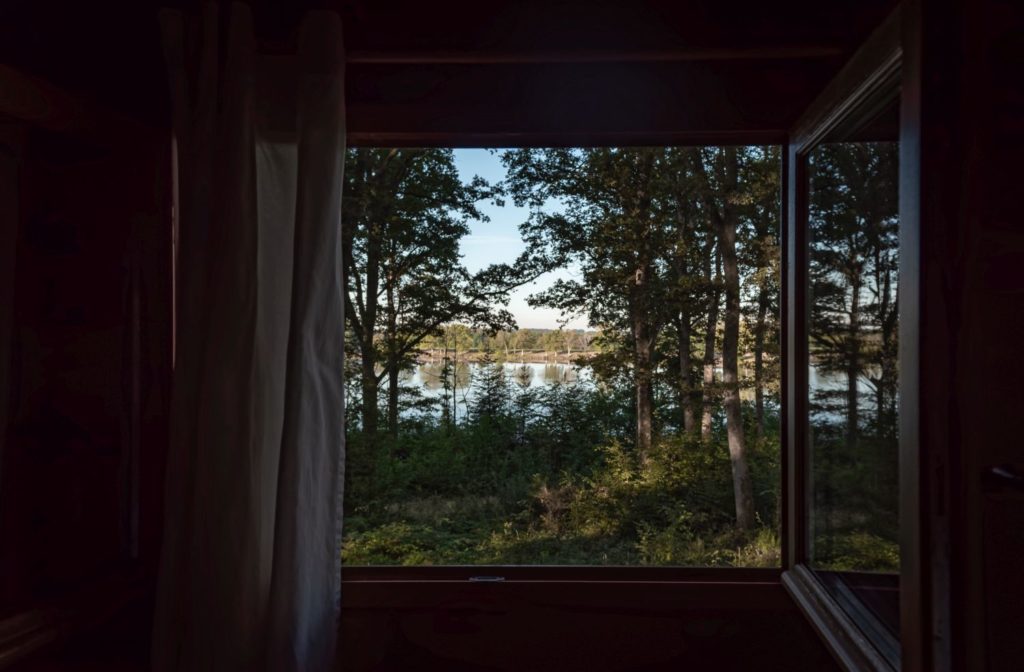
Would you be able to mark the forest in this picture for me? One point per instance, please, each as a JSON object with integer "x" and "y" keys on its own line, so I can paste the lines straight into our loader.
{"x": 507, "y": 345}
{"x": 664, "y": 451}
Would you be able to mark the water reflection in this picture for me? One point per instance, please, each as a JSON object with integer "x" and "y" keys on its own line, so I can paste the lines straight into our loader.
{"x": 522, "y": 375}
{"x": 853, "y": 381}
{"x": 429, "y": 377}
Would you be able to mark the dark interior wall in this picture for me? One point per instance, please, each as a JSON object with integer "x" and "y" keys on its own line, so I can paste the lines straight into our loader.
{"x": 108, "y": 55}
{"x": 492, "y": 73}
{"x": 11, "y": 142}
{"x": 967, "y": 125}
{"x": 600, "y": 627}
{"x": 88, "y": 362}
{"x": 92, "y": 370}
{"x": 88, "y": 419}
{"x": 519, "y": 627}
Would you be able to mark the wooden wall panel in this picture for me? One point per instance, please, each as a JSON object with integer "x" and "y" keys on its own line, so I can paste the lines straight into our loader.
{"x": 596, "y": 626}
{"x": 963, "y": 126}
{"x": 87, "y": 393}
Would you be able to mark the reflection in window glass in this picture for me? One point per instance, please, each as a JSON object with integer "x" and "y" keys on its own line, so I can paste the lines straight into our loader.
{"x": 853, "y": 376}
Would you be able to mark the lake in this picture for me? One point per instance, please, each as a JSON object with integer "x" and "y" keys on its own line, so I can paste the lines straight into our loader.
{"x": 427, "y": 377}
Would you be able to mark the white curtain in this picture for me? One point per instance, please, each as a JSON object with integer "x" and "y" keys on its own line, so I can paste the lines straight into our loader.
{"x": 250, "y": 575}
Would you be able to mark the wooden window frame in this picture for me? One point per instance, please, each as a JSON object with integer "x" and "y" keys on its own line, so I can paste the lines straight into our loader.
{"x": 607, "y": 575}
{"x": 839, "y": 103}
{"x": 886, "y": 65}
{"x": 871, "y": 79}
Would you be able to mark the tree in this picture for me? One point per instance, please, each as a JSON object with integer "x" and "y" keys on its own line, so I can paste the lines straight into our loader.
{"x": 689, "y": 290}
{"x": 575, "y": 340}
{"x": 404, "y": 213}
{"x": 503, "y": 341}
{"x": 709, "y": 396}
{"x": 722, "y": 198}
{"x": 553, "y": 341}
{"x": 853, "y": 333}
{"x": 491, "y": 395}
{"x": 760, "y": 254}
{"x": 610, "y": 224}
{"x": 852, "y": 272}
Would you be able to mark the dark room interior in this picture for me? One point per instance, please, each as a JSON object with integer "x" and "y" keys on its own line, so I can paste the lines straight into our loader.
{"x": 190, "y": 477}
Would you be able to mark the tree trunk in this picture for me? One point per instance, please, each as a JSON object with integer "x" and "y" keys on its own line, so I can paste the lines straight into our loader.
{"x": 392, "y": 361}
{"x": 759, "y": 329}
{"x": 709, "y": 396}
{"x": 642, "y": 375}
{"x": 645, "y": 323}
{"x": 393, "y": 399}
{"x": 687, "y": 407}
{"x": 686, "y": 400}
{"x": 455, "y": 380}
{"x": 853, "y": 367}
{"x": 366, "y": 344}
{"x": 369, "y": 390}
{"x": 742, "y": 488}
{"x": 889, "y": 382}
{"x": 446, "y": 412}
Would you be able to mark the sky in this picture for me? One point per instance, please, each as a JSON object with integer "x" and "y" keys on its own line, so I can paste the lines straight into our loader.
{"x": 498, "y": 241}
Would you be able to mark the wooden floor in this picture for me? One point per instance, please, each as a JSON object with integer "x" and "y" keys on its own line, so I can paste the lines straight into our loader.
{"x": 119, "y": 646}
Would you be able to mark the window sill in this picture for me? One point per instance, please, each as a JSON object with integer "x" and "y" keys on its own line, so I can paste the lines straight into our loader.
{"x": 559, "y": 573}
{"x": 654, "y": 590}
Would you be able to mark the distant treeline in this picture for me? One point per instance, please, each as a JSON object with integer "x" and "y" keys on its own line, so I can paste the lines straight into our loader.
{"x": 505, "y": 344}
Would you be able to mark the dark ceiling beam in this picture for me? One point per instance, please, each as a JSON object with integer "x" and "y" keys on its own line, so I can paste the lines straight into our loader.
{"x": 728, "y": 102}
{"x": 607, "y": 138}
{"x": 424, "y": 57}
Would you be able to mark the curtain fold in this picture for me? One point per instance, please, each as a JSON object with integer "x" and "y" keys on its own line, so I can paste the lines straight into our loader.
{"x": 250, "y": 574}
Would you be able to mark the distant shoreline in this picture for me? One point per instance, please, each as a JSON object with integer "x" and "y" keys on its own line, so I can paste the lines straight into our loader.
{"x": 512, "y": 357}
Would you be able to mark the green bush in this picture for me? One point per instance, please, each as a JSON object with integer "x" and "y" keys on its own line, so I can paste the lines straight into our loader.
{"x": 548, "y": 477}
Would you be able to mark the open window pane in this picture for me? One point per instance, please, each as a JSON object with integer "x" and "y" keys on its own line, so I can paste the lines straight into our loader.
{"x": 853, "y": 372}
{"x": 562, "y": 356}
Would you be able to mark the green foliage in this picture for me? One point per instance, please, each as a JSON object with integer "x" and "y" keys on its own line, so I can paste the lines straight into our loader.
{"x": 861, "y": 551}
{"x": 405, "y": 212}
{"x": 505, "y": 343}
{"x": 524, "y": 484}
{"x": 674, "y": 254}
{"x": 491, "y": 399}
{"x": 675, "y": 508}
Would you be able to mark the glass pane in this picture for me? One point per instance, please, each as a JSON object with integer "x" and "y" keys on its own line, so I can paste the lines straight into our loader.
{"x": 853, "y": 373}
{"x": 562, "y": 356}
